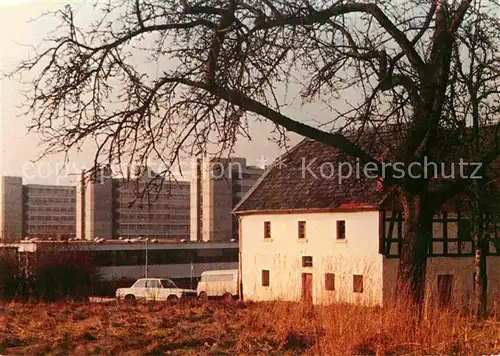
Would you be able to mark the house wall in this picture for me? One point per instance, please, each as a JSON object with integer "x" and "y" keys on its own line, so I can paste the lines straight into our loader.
{"x": 282, "y": 256}
{"x": 462, "y": 270}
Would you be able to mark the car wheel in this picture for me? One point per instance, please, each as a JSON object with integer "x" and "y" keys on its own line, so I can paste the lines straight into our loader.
{"x": 227, "y": 297}
{"x": 203, "y": 297}
{"x": 130, "y": 298}
{"x": 172, "y": 299}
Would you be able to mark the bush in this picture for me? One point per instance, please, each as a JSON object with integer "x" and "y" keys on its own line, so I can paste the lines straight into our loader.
{"x": 65, "y": 281}
{"x": 56, "y": 276}
{"x": 9, "y": 283}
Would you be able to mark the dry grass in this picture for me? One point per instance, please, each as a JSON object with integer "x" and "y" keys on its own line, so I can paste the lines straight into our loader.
{"x": 236, "y": 329}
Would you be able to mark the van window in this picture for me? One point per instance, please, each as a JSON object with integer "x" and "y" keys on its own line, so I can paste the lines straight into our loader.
{"x": 221, "y": 278}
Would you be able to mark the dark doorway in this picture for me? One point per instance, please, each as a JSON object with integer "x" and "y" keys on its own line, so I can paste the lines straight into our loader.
{"x": 307, "y": 287}
{"x": 445, "y": 286}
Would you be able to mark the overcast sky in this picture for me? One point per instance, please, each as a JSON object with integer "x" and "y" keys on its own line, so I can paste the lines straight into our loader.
{"x": 18, "y": 149}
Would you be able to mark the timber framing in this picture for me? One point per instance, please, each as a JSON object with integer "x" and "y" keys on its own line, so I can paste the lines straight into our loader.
{"x": 447, "y": 239}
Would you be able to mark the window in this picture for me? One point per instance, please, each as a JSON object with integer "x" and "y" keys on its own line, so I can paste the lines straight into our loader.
{"x": 302, "y": 229}
{"x": 357, "y": 283}
{"x": 267, "y": 229}
{"x": 152, "y": 283}
{"x": 307, "y": 261}
{"x": 167, "y": 283}
{"x": 341, "y": 230}
{"x": 265, "y": 278}
{"x": 221, "y": 278}
{"x": 464, "y": 230}
{"x": 329, "y": 281}
{"x": 140, "y": 284}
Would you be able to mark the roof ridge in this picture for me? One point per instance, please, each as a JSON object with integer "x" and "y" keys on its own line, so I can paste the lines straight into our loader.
{"x": 266, "y": 172}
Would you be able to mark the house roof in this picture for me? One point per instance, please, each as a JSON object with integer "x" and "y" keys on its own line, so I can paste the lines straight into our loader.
{"x": 302, "y": 181}
{"x": 309, "y": 177}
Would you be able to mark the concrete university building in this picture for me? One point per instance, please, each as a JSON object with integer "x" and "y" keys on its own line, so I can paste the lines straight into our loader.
{"x": 104, "y": 207}
{"x": 217, "y": 185}
{"x": 35, "y": 210}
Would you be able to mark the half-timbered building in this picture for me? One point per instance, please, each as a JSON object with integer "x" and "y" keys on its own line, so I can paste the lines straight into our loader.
{"x": 312, "y": 234}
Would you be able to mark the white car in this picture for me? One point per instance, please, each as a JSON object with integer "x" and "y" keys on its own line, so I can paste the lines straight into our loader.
{"x": 155, "y": 289}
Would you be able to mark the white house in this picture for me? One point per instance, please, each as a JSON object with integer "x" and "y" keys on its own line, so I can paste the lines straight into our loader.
{"x": 307, "y": 235}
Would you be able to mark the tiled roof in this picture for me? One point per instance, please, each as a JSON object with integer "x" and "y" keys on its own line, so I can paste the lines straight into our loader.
{"x": 303, "y": 179}
{"x": 289, "y": 186}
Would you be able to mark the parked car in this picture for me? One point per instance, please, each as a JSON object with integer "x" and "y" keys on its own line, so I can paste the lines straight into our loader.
{"x": 156, "y": 289}
{"x": 219, "y": 283}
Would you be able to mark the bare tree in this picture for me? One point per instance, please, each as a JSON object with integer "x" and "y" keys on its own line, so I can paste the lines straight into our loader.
{"x": 475, "y": 101}
{"x": 224, "y": 62}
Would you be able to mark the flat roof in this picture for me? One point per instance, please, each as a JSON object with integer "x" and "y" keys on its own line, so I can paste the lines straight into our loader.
{"x": 111, "y": 245}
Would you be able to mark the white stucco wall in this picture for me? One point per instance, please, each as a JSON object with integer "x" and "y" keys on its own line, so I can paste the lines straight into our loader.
{"x": 282, "y": 256}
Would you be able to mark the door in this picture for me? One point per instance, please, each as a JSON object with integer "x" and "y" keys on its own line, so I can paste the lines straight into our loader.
{"x": 307, "y": 287}
{"x": 445, "y": 286}
{"x": 139, "y": 289}
{"x": 153, "y": 289}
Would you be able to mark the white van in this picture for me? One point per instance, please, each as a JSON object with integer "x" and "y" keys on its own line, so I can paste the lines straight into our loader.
{"x": 220, "y": 283}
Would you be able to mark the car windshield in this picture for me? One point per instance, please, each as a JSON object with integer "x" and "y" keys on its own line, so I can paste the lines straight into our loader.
{"x": 167, "y": 283}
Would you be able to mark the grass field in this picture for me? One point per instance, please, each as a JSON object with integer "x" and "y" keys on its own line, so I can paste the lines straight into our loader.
{"x": 236, "y": 329}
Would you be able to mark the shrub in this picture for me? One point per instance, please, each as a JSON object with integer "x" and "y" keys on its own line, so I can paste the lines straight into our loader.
{"x": 56, "y": 275}
{"x": 9, "y": 283}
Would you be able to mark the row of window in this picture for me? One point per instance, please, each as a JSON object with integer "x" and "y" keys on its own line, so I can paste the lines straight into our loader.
{"x": 163, "y": 257}
{"x": 329, "y": 281}
{"x": 153, "y": 216}
{"x": 153, "y": 235}
{"x": 154, "y": 195}
{"x": 156, "y": 206}
{"x": 50, "y": 200}
{"x": 50, "y": 218}
{"x": 153, "y": 226}
{"x": 52, "y": 228}
{"x": 301, "y": 230}
{"x": 55, "y": 209}
{"x": 51, "y": 190}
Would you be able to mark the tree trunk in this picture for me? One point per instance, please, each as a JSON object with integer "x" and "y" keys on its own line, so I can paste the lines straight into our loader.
{"x": 481, "y": 278}
{"x": 417, "y": 230}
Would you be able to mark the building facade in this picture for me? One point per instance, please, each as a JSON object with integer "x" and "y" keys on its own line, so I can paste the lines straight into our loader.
{"x": 317, "y": 240}
{"x": 104, "y": 206}
{"x": 110, "y": 207}
{"x": 49, "y": 210}
{"x": 35, "y": 210}
{"x": 11, "y": 208}
{"x": 217, "y": 185}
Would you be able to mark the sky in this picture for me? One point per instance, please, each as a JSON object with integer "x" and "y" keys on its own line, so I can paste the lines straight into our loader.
{"x": 20, "y": 150}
